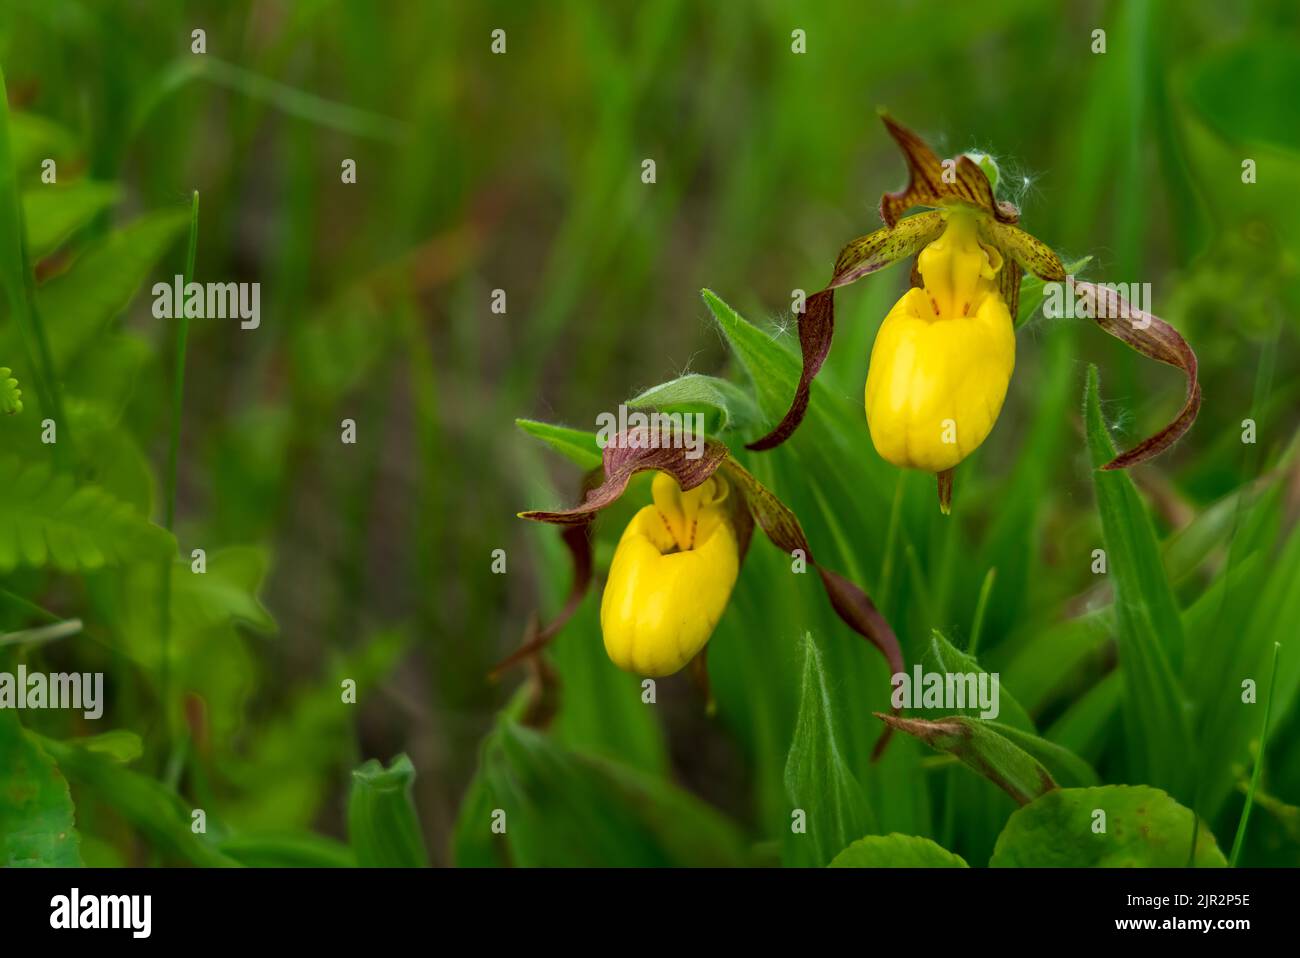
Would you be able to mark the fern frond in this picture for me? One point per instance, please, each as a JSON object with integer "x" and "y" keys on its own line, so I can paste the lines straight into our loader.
{"x": 11, "y": 397}
{"x": 47, "y": 519}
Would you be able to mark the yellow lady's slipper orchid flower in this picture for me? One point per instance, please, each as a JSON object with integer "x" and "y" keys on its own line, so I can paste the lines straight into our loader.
{"x": 677, "y": 562}
{"x": 671, "y": 577}
{"x": 943, "y": 356}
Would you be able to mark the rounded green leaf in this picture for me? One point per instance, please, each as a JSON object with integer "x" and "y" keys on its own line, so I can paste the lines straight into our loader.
{"x": 1111, "y": 826}
{"x": 37, "y": 825}
{"x": 896, "y": 851}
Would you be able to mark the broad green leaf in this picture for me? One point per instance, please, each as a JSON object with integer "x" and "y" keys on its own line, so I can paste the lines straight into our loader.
{"x": 952, "y": 661}
{"x": 1149, "y": 627}
{"x": 47, "y": 519}
{"x": 473, "y": 844}
{"x": 147, "y": 804}
{"x": 734, "y": 407}
{"x": 53, "y": 213}
{"x": 226, "y": 592}
{"x": 561, "y": 807}
{"x": 78, "y": 305}
{"x": 223, "y": 596}
{"x": 382, "y": 824}
{"x": 1064, "y": 766}
{"x": 818, "y": 778}
{"x": 896, "y": 851}
{"x": 1111, "y": 826}
{"x": 578, "y": 445}
{"x": 36, "y": 813}
{"x": 833, "y": 432}
{"x": 981, "y": 746}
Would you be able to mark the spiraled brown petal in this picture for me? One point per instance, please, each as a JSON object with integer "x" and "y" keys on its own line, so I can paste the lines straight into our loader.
{"x": 537, "y": 638}
{"x": 850, "y": 603}
{"x": 1151, "y": 336}
{"x": 859, "y": 258}
{"x": 816, "y": 327}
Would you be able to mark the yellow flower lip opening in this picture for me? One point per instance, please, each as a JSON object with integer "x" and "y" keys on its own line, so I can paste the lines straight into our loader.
{"x": 959, "y": 272}
{"x": 671, "y": 577}
{"x": 943, "y": 356}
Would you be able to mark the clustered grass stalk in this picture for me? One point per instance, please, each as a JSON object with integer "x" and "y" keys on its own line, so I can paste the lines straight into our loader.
{"x": 1240, "y": 838}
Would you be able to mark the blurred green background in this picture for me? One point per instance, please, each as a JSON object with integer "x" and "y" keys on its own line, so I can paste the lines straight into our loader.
{"x": 521, "y": 172}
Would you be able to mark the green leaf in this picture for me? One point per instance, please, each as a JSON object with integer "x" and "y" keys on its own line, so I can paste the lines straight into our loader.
{"x": 53, "y": 213}
{"x": 1065, "y": 767}
{"x": 1143, "y": 827}
{"x": 897, "y": 851}
{"x": 980, "y": 746}
{"x": 562, "y": 807}
{"x": 734, "y": 407}
{"x": 834, "y": 429}
{"x": 147, "y": 804}
{"x": 37, "y": 825}
{"x": 78, "y": 305}
{"x": 287, "y": 849}
{"x": 1033, "y": 290}
{"x": 47, "y": 519}
{"x": 818, "y": 779}
{"x": 382, "y": 824}
{"x": 952, "y": 661}
{"x": 227, "y": 592}
{"x": 579, "y": 446}
{"x": 33, "y": 138}
{"x": 1149, "y": 626}
{"x": 120, "y": 745}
